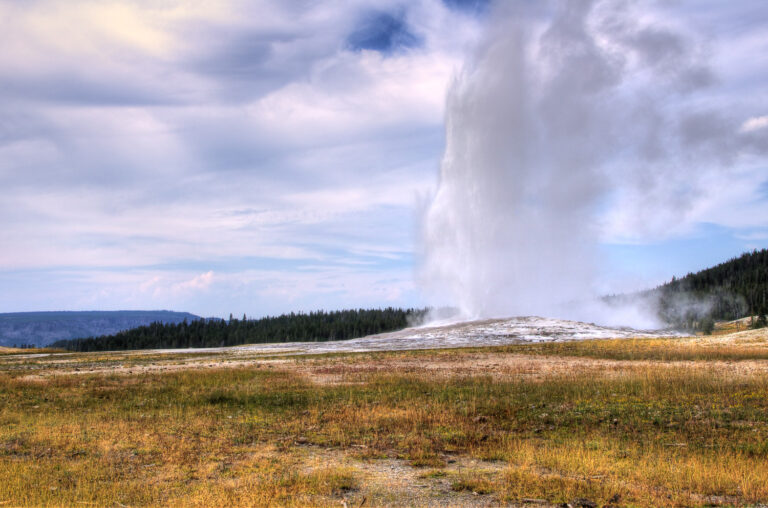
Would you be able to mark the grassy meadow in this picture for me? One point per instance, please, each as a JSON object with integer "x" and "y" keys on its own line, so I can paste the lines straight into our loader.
{"x": 645, "y": 422}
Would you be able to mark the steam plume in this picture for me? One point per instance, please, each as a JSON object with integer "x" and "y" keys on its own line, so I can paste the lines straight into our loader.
{"x": 566, "y": 114}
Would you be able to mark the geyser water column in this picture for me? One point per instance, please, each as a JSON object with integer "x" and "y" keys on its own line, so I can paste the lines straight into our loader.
{"x": 511, "y": 228}
{"x": 565, "y": 110}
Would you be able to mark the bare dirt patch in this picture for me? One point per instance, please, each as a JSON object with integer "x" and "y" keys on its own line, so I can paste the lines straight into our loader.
{"x": 393, "y": 482}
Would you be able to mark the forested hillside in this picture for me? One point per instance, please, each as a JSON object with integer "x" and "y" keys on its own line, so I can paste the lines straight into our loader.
{"x": 42, "y": 328}
{"x": 315, "y": 326}
{"x": 731, "y": 290}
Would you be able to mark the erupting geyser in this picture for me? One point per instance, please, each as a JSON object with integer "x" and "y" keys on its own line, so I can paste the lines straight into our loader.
{"x": 572, "y": 121}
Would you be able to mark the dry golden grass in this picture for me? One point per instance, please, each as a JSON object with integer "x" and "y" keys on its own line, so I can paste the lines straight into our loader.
{"x": 678, "y": 422}
{"x": 19, "y": 351}
{"x": 745, "y": 345}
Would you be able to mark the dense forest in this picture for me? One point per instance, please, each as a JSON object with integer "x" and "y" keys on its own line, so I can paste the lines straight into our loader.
{"x": 315, "y": 326}
{"x": 731, "y": 290}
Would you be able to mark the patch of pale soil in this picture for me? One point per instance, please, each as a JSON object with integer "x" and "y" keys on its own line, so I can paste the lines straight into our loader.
{"x": 506, "y": 366}
{"x": 393, "y": 482}
{"x": 758, "y": 337}
{"x": 160, "y": 366}
{"x": 749, "y": 336}
{"x": 353, "y": 370}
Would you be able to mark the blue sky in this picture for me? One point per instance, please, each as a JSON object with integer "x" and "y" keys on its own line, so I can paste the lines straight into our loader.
{"x": 267, "y": 156}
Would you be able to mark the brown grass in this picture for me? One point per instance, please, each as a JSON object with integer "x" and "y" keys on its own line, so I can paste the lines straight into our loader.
{"x": 627, "y": 423}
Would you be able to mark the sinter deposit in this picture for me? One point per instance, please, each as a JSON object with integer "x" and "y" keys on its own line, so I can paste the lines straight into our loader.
{"x": 490, "y": 332}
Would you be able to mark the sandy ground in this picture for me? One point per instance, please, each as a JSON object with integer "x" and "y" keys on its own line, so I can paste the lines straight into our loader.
{"x": 742, "y": 338}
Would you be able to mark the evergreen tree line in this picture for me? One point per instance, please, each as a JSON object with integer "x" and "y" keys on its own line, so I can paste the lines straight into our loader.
{"x": 317, "y": 326}
{"x": 731, "y": 290}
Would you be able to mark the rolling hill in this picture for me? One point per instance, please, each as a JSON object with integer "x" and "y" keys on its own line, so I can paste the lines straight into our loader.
{"x": 43, "y": 328}
{"x": 734, "y": 289}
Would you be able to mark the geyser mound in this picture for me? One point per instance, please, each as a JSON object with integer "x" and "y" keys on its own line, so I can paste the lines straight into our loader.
{"x": 487, "y": 332}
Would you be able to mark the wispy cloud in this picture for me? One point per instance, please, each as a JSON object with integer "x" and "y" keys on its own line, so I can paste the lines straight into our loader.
{"x": 145, "y": 141}
{"x": 755, "y": 124}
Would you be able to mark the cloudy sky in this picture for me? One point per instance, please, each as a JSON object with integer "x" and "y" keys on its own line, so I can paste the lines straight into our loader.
{"x": 266, "y": 156}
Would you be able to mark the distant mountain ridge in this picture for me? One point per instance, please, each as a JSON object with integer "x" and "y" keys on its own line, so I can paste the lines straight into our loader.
{"x": 43, "y": 328}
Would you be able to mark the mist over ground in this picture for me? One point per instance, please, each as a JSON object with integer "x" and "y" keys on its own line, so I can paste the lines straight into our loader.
{"x": 572, "y": 122}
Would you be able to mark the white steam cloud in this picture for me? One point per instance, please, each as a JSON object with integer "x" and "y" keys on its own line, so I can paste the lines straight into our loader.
{"x": 568, "y": 113}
